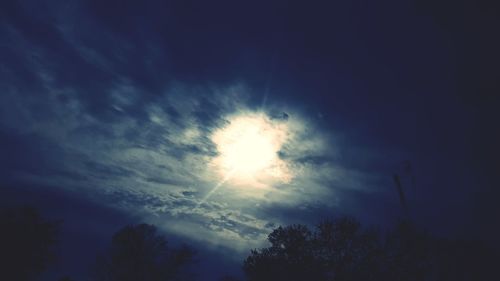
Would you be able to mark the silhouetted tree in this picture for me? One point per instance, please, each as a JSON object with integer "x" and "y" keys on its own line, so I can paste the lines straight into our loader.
{"x": 336, "y": 250}
{"x": 290, "y": 257}
{"x": 410, "y": 253}
{"x": 341, "y": 250}
{"x": 347, "y": 251}
{"x": 138, "y": 253}
{"x": 26, "y": 243}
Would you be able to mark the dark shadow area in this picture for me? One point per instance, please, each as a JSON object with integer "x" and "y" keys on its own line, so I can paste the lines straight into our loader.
{"x": 27, "y": 243}
{"x": 339, "y": 249}
{"x": 342, "y": 250}
{"x": 138, "y": 252}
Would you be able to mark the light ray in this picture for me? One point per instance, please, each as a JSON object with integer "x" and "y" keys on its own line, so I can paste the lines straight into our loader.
{"x": 216, "y": 187}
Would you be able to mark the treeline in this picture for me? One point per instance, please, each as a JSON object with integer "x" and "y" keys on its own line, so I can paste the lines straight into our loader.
{"x": 335, "y": 250}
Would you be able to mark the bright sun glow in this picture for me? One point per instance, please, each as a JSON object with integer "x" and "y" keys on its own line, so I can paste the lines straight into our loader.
{"x": 249, "y": 146}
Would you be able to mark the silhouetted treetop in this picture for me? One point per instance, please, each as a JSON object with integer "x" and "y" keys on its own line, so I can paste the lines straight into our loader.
{"x": 336, "y": 250}
{"x": 341, "y": 250}
{"x": 26, "y": 243}
{"x": 139, "y": 253}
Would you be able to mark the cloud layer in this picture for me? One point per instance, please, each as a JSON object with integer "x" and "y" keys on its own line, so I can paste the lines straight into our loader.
{"x": 90, "y": 113}
{"x": 159, "y": 162}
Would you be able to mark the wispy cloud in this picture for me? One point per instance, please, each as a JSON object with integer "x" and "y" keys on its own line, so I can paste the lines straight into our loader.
{"x": 153, "y": 154}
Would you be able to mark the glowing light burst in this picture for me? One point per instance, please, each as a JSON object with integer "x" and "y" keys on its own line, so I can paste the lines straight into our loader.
{"x": 248, "y": 152}
{"x": 248, "y": 149}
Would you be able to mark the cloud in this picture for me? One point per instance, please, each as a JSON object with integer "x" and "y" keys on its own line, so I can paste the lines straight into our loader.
{"x": 158, "y": 164}
{"x": 92, "y": 124}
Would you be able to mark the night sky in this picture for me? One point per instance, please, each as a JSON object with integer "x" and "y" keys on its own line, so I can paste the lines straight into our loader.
{"x": 121, "y": 112}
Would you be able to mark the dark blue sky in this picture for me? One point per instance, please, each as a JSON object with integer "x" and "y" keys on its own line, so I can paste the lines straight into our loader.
{"x": 108, "y": 111}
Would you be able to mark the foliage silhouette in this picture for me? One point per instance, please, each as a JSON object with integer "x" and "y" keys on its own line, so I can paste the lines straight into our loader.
{"x": 341, "y": 250}
{"x": 336, "y": 250}
{"x": 26, "y": 243}
{"x": 413, "y": 254}
{"x": 138, "y": 253}
{"x": 409, "y": 253}
{"x": 461, "y": 260}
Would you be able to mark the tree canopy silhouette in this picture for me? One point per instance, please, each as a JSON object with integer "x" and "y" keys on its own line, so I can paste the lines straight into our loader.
{"x": 340, "y": 250}
{"x": 336, "y": 250}
{"x": 26, "y": 243}
{"x": 138, "y": 253}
